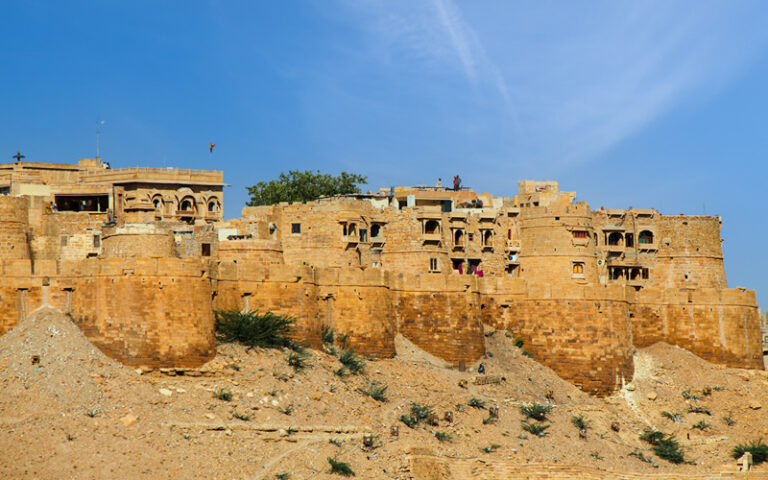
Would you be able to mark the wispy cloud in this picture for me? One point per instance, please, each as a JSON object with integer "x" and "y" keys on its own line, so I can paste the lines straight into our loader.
{"x": 572, "y": 80}
{"x": 451, "y": 21}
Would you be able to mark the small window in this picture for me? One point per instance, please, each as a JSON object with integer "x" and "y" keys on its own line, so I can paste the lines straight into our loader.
{"x": 470, "y": 236}
{"x": 206, "y": 249}
{"x": 375, "y": 230}
{"x": 578, "y": 268}
{"x": 64, "y": 240}
{"x": 579, "y": 234}
{"x": 433, "y": 265}
{"x": 629, "y": 240}
{"x": 363, "y": 235}
{"x": 432, "y": 227}
{"x": 96, "y": 241}
{"x": 645, "y": 274}
{"x": 487, "y": 235}
{"x": 458, "y": 238}
{"x": 295, "y": 228}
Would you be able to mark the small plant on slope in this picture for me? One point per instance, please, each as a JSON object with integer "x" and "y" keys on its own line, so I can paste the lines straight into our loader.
{"x": 352, "y": 362}
{"x": 223, "y": 394}
{"x": 298, "y": 360}
{"x": 342, "y": 468}
{"x": 580, "y": 422}
{"x": 535, "y": 428}
{"x": 377, "y": 391}
{"x": 535, "y": 411}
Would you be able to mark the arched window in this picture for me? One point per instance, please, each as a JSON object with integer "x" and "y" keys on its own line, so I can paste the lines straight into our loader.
{"x": 578, "y": 268}
{"x": 187, "y": 204}
{"x": 615, "y": 238}
{"x": 213, "y": 206}
{"x": 645, "y": 237}
{"x": 487, "y": 237}
{"x": 458, "y": 237}
{"x": 431, "y": 227}
{"x": 158, "y": 203}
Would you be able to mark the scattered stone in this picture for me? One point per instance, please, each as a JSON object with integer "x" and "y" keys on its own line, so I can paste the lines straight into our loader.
{"x": 166, "y": 392}
{"x": 615, "y": 426}
{"x": 487, "y": 380}
{"x": 652, "y": 396}
{"x": 128, "y": 420}
{"x": 210, "y": 416}
{"x": 630, "y": 387}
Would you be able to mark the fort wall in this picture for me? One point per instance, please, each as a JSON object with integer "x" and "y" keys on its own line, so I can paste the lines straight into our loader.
{"x": 550, "y": 248}
{"x": 287, "y": 290}
{"x": 581, "y": 332}
{"x": 440, "y": 314}
{"x": 142, "y": 312}
{"x": 718, "y": 325}
{"x": 13, "y": 228}
{"x": 690, "y": 252}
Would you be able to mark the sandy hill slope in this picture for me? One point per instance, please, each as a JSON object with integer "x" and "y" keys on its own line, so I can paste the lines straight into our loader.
{"x": 73, "y": 413}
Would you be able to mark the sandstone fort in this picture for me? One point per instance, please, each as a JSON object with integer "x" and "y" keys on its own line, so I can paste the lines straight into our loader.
{"x": 140, "y": 258}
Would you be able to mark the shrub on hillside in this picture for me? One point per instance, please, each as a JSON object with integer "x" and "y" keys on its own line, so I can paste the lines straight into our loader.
{"x": 255, "y": 330}
{"x": 535, "y": 411}
{"x": 757, "y": 448}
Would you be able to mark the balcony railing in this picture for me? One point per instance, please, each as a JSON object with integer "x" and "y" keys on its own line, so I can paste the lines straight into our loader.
{"x": 350, "y": 239}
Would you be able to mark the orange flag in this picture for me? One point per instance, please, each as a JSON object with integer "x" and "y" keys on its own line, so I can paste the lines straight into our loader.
{"x": 211, "y": 148}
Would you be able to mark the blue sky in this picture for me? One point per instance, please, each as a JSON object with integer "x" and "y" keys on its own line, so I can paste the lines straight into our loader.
{"x": 645, "y": 104}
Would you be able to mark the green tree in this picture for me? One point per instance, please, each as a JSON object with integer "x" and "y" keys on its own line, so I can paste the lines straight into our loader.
{"x": 303, "y": 187}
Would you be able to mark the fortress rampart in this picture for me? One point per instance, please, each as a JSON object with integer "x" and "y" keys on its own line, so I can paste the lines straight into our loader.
{"x": 582, "y": 288}
{"x": 145, "y": 311}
